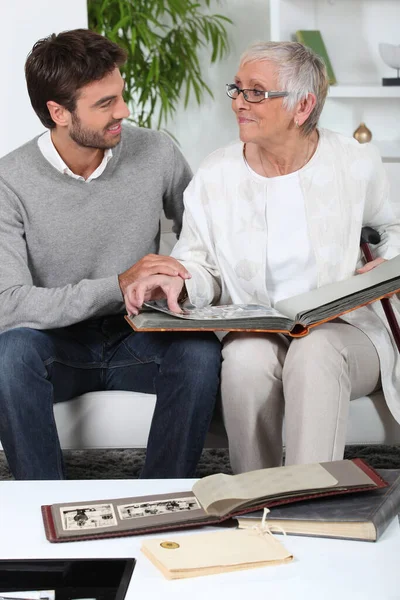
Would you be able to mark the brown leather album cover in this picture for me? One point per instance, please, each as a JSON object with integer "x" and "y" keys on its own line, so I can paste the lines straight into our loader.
{"x": 211, "y": 500}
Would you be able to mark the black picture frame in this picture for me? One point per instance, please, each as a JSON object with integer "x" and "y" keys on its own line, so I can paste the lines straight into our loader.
{"x": 100, "y": 578}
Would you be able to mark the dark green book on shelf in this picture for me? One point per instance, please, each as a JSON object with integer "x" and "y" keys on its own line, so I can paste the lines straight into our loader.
{"x": 313, "y": 39}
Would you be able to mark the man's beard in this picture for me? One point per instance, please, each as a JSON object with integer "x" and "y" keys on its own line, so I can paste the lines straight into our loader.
{"x": 88, "y": 138}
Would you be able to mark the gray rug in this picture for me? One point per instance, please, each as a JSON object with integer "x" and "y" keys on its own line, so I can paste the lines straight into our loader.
{"x": 126, "y": 464}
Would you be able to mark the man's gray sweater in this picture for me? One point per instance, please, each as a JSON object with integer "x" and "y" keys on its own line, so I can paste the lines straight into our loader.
{"x": 63, "y": 242}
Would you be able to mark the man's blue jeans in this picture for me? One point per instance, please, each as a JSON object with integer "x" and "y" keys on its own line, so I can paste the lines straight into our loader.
{"x": 38, "y": 368}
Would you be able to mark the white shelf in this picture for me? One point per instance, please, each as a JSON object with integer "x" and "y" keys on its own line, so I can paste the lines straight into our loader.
{"x": 390, "y": 150}
{"x": 352, "y": 31}
{"x": 364, "y": 91}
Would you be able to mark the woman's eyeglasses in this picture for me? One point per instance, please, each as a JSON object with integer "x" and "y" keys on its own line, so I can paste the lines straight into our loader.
{"x": 233, "y": 91}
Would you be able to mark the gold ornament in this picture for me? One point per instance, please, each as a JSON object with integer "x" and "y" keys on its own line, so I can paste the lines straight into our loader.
{"x": 362, "y": 134}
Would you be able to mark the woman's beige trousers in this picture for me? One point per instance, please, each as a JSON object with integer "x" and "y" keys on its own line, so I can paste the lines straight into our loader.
{"x": 311, "y": 381}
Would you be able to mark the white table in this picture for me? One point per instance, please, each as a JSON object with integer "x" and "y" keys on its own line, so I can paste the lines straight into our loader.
{"x": 322, "y": 569}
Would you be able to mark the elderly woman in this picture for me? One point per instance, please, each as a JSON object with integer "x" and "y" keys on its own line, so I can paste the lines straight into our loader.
{"x": 273, "y": 215}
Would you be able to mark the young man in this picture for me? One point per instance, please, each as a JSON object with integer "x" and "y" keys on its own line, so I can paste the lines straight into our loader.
{"x": 80, "y": 211}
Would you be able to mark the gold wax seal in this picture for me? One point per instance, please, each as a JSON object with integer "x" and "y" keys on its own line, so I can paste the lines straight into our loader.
{"x": 169, "y": 545}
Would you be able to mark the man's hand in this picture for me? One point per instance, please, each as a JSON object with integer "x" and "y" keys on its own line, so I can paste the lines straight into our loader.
{"x": 152, "y": 264}
{"x": 371, "y": 265}
{"x": 154, "y": 287}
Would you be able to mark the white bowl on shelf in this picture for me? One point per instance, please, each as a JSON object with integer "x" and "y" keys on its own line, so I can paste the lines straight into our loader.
{"x": 390, "y": 54}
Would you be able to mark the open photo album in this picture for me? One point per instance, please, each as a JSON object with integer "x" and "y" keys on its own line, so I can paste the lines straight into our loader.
{"x": 211, "y": 500}
{"x": 293, "y": 316}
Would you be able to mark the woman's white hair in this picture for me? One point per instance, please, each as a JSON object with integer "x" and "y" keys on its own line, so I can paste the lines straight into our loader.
{"x": 300, "y": 72}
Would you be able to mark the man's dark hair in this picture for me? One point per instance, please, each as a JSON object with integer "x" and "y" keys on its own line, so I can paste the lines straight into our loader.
{"x": 59, "y": 65}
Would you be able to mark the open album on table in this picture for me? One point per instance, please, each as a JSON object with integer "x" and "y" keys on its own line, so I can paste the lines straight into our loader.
{"x": 292, "y": 316}
{"x": 211, "y": 500}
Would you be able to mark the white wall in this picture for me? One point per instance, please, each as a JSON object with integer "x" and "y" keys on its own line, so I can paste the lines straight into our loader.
{"x": 200, "y": 130}
{"x": 23, "y": 23}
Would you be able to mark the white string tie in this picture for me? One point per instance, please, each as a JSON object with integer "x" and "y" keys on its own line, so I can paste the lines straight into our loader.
{"x": 266, "y": 527}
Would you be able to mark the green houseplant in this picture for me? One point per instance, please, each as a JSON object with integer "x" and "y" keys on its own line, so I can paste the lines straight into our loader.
{"x": 163, "y": 39}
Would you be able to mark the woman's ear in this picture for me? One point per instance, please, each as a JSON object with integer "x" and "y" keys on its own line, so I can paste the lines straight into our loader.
{"x": 304, "y": 109}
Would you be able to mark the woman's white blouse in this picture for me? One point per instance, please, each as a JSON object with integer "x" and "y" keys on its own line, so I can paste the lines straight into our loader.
{"x": 290, "y": 268}
{"x": 226, "y": 238}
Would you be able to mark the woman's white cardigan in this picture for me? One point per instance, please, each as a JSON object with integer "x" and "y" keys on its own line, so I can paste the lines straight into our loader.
{"x": 223, "y": 241}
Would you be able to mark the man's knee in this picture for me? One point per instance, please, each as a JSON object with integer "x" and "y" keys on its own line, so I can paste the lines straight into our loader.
{"x": 19, "y": 347}
{"x": 194, "y": 362}
{"x": 200, "y": 352}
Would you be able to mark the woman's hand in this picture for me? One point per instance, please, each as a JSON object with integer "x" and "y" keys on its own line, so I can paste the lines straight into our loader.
{"x": 154, "y": 287}
{"x": 371, "y": 265}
